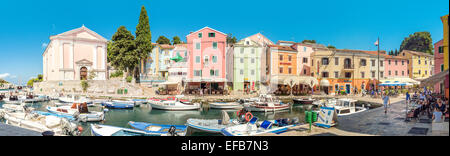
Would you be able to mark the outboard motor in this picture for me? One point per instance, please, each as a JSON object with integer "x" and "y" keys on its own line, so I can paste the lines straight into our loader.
{"x": 172, "y": 131}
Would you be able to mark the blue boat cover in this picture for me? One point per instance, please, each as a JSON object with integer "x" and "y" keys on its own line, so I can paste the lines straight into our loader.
{"x": 54, "y": 114}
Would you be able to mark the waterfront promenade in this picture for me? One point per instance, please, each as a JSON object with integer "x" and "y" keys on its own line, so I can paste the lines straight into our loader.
{"x": 375, "y": 123}
{"x": 9, "y": 130}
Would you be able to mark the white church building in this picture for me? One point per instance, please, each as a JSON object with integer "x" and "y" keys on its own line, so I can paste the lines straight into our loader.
{"x": 75, "y": 54}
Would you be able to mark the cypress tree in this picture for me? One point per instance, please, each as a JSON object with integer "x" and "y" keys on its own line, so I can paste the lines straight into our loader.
{"x": 143, "y": 39}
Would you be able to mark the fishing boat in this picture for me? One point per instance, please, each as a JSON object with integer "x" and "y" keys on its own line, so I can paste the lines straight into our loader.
{"x": 212, "y": 125}
{"x": 138, "y": 101}
{"x": 79, "y": 111}
{"x": 13, "y": 99}
{"x": 225, "y": 105}
{"x": 75, "y": 99}
{"x": 159, "y": 129}
{"x": 134, "y": 103}
{"x": 267, "y": 104}
{"x": 106, "y": 130}
{"x": 118, "y": 105}
{"x": 175, "y": 105}
{"x": 253, "y": 128}
{"x": 307, "y": 101}
{"x": 347, "y": 107}
{"x": 42, "y": 123}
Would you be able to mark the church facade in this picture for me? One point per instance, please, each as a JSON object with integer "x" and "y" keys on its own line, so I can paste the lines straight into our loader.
{"x": 77, "y": 54}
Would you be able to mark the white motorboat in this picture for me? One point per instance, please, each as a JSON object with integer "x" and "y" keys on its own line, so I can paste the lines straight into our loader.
{"x": 75, "y": 99}
{"x": 106, "y": 130}
{"x": 347, "y": 107}
{"x": 225, "y": 105}
{"x": 17, "y": 108}
{"x": 12, "y": 100}
{"x": 41, "y": 123}
{"x": 266, "y": 103}
{"x": 134, "y": 103}
{"x": 78, "y": 111}
{"x": 175, "y": 105}
{"x": 253, "y": 128}
{"x": 212, "y": 125}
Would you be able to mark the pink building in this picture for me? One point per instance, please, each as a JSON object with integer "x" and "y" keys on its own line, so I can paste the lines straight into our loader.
{"x": 439, "y": 63}
{"x": 206, "y": 63}
{"x": 395, "y": 67}
{"x": 75, "y": 54}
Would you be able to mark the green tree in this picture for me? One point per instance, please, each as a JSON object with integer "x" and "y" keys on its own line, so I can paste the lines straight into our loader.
{"x": 419, "y": 41}
{"x": 309, "y": 41}
{"x": 163, "y": 40}
{"x": 176, "y": 40}
{"x": 231, "y": 39}
{"x": 396, "y": 52}
{"x": 84, "y": 85}
{"x": 331, "y": 47}
{"x": 143, "y": 38}
{"x": 123, "y": 54}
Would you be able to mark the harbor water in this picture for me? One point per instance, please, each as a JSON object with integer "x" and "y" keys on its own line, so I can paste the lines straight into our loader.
{"x": 144, "y": 113}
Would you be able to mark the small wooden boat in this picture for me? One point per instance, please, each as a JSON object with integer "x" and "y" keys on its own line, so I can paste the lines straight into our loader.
{"x": 303, "y": 101}
{"x": 159, "y": 129}
{"x": 106, "y": 130}
{"x": 225, "y": 105}
{"x": 118, "y": 105}
{"x": 252, "y": 129}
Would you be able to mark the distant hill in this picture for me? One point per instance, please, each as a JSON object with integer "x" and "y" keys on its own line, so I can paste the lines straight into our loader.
{"x": 3, "y": 81}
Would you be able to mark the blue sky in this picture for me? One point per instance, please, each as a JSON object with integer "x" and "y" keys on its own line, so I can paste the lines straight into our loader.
{"x": 26, "y": 25}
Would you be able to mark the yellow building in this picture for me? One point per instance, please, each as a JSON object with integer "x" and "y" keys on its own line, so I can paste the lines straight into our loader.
{"x": 445, "y": 23}
{"x": 346, "y": 70}
{"x": 420, "y": 64}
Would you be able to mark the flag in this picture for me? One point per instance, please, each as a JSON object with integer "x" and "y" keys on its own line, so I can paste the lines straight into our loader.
{"x": 376, "y": 43}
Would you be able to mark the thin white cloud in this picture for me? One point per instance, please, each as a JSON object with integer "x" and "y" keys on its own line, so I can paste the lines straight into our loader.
{"x": 4, "y": 75}
{"x": 44, "y": 45}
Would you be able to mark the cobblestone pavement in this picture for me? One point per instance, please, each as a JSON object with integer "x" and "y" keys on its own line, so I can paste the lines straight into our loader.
{"x": 375, "y": 122}
{"x": 9, "y": 130}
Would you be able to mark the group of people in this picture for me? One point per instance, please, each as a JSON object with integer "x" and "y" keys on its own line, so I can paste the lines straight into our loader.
{"x": 430, "y": 104}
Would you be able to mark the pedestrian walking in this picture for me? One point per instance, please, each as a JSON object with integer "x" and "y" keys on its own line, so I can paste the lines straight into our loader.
{"x": 386, "y": 102}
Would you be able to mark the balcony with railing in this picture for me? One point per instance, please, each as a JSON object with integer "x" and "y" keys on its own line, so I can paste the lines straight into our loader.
{"x": 349, "y": 67}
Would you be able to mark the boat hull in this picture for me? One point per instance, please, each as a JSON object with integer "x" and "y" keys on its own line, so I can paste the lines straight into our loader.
{"x": 256, "y": 108}
{"x": 225, "y": 105}
{"x": 175, "y": 107}
{"x": 302, "y": 102}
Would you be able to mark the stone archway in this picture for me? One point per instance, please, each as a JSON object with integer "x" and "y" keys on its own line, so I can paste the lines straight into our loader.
{"x": 83, "y": 73}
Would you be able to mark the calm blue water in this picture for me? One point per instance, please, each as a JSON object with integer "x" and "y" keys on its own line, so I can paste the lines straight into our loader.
{"x": 144, "y": 113}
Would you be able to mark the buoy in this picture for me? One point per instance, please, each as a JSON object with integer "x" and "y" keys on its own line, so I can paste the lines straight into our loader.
{"x": 247, "y": 116}
{"x": 80, "y": 128}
